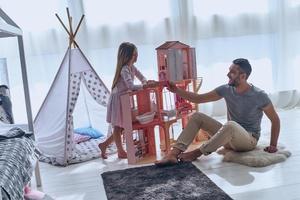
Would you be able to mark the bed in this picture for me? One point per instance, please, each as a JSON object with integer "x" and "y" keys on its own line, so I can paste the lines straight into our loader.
{"x": 12, "y": 167}
{"x": 17, "y": 160}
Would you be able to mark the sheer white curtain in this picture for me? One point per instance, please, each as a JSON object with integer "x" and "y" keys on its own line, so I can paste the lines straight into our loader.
{"x": 264, "y": 31}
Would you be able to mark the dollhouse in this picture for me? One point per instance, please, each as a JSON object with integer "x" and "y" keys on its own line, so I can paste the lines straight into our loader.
{"x": 176, "y": 61}
{"x": 144, "y": 110}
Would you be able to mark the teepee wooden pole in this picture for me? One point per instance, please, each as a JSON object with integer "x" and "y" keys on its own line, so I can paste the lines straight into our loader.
{"x": 62, "y": 24}
{"x": 75, "y": 44}
{"x": 71, "y": 29}
{"x": 70, "y": 21}
{"x": 77, "y": 28}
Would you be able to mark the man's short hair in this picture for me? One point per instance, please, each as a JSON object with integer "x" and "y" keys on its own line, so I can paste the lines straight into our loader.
{"x": 244, "y": 65}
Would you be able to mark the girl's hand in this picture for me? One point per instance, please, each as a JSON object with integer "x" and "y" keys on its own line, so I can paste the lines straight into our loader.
{"x": 172, "y": 87}
{"x": 151, "y": 84}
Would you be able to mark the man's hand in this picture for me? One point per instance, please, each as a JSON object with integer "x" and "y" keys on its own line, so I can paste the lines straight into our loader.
{"x": 270, "y": 149}
{"x": 172, "y": 87}
{"x": 275, "y": 127}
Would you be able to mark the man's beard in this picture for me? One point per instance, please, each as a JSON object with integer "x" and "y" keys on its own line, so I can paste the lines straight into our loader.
{"x": 233, "y": 83}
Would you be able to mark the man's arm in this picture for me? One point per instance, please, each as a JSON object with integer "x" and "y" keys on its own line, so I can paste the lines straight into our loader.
{"x": 194, "y": 97}
{"x": 275, "y": 127}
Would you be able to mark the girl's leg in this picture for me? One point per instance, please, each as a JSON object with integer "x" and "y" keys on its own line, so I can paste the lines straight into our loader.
{"x": 118, "y": 140}
{"x": 103, "y": 146}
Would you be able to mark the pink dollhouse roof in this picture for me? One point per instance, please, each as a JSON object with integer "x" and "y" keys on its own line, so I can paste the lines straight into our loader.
{"x": 172, "y": 44}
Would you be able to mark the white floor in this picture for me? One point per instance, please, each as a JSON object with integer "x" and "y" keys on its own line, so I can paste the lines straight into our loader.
{"x": 280, "y": 181}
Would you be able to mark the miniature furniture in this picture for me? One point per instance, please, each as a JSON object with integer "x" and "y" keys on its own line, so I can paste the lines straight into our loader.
{"x": 139, "y": 137}
{"x": 142, "y": 112}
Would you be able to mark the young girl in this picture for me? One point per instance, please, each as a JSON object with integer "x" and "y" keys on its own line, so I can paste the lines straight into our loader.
{"x": 122, "y": 83}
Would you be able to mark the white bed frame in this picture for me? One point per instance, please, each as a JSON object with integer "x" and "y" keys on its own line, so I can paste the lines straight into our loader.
{"x": 8, "y": 28}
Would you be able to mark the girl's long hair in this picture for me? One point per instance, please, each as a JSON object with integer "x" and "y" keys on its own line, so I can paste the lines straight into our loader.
{"x": 125, "y": 53}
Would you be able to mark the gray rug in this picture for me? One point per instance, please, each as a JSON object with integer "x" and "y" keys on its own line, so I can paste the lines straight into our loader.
{"x": 182, "y": 181}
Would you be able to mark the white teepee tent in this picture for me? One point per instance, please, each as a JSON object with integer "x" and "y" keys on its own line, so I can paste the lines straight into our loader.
{"x": 53, "y": 124}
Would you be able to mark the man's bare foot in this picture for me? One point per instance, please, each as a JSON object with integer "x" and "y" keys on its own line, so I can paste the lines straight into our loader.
{"x": 167, "y": 161}
{"x": 122, "y": 155}
{"x": 170, "y": 159}
{"x": 190, "y": 156}
{"x": 102, "y": 148}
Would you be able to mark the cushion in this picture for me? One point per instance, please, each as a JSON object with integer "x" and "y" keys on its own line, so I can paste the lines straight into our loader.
{"x": 81, "y": 138}
{"x": 89, "y": 131}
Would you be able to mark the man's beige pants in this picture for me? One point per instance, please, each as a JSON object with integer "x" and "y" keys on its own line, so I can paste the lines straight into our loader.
{"x": 230, "y": 135}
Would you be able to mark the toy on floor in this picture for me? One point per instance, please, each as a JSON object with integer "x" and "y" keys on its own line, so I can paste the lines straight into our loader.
{"x": 30, "y": 194}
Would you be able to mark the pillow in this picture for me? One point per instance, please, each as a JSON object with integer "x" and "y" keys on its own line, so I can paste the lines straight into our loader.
{"x": 81, "y": 138}
{"x": 89, "y": 131}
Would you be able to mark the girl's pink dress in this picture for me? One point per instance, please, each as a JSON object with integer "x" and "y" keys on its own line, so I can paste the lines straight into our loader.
{"x": 124, "y": 84}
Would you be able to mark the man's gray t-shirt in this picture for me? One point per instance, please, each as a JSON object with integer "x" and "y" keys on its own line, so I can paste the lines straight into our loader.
{"x": 247, "y": 108}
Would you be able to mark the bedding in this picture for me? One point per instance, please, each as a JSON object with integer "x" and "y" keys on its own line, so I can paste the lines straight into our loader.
{"x": 84, "y": 151}
{"x": 81, "y": 138}
{"x": 17, "y": 162}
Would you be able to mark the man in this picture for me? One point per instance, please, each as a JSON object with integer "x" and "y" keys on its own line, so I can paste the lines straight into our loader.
{"x": 245, "y": 107}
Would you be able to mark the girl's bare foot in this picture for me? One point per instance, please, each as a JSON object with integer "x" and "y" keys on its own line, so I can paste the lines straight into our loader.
{"x": 122, "y": 155}
{"x": 190, "y": 156}
{"x": 102, "y": 148}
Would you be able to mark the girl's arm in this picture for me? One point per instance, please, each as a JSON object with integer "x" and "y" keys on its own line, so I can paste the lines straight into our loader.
{"x": 139, "y": 75}
{"x": 127, "y": 76}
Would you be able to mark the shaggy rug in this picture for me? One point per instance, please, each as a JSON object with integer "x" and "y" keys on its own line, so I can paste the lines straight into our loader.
{"x": 256, "y": 158}
{"x": 182, "y": 181}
